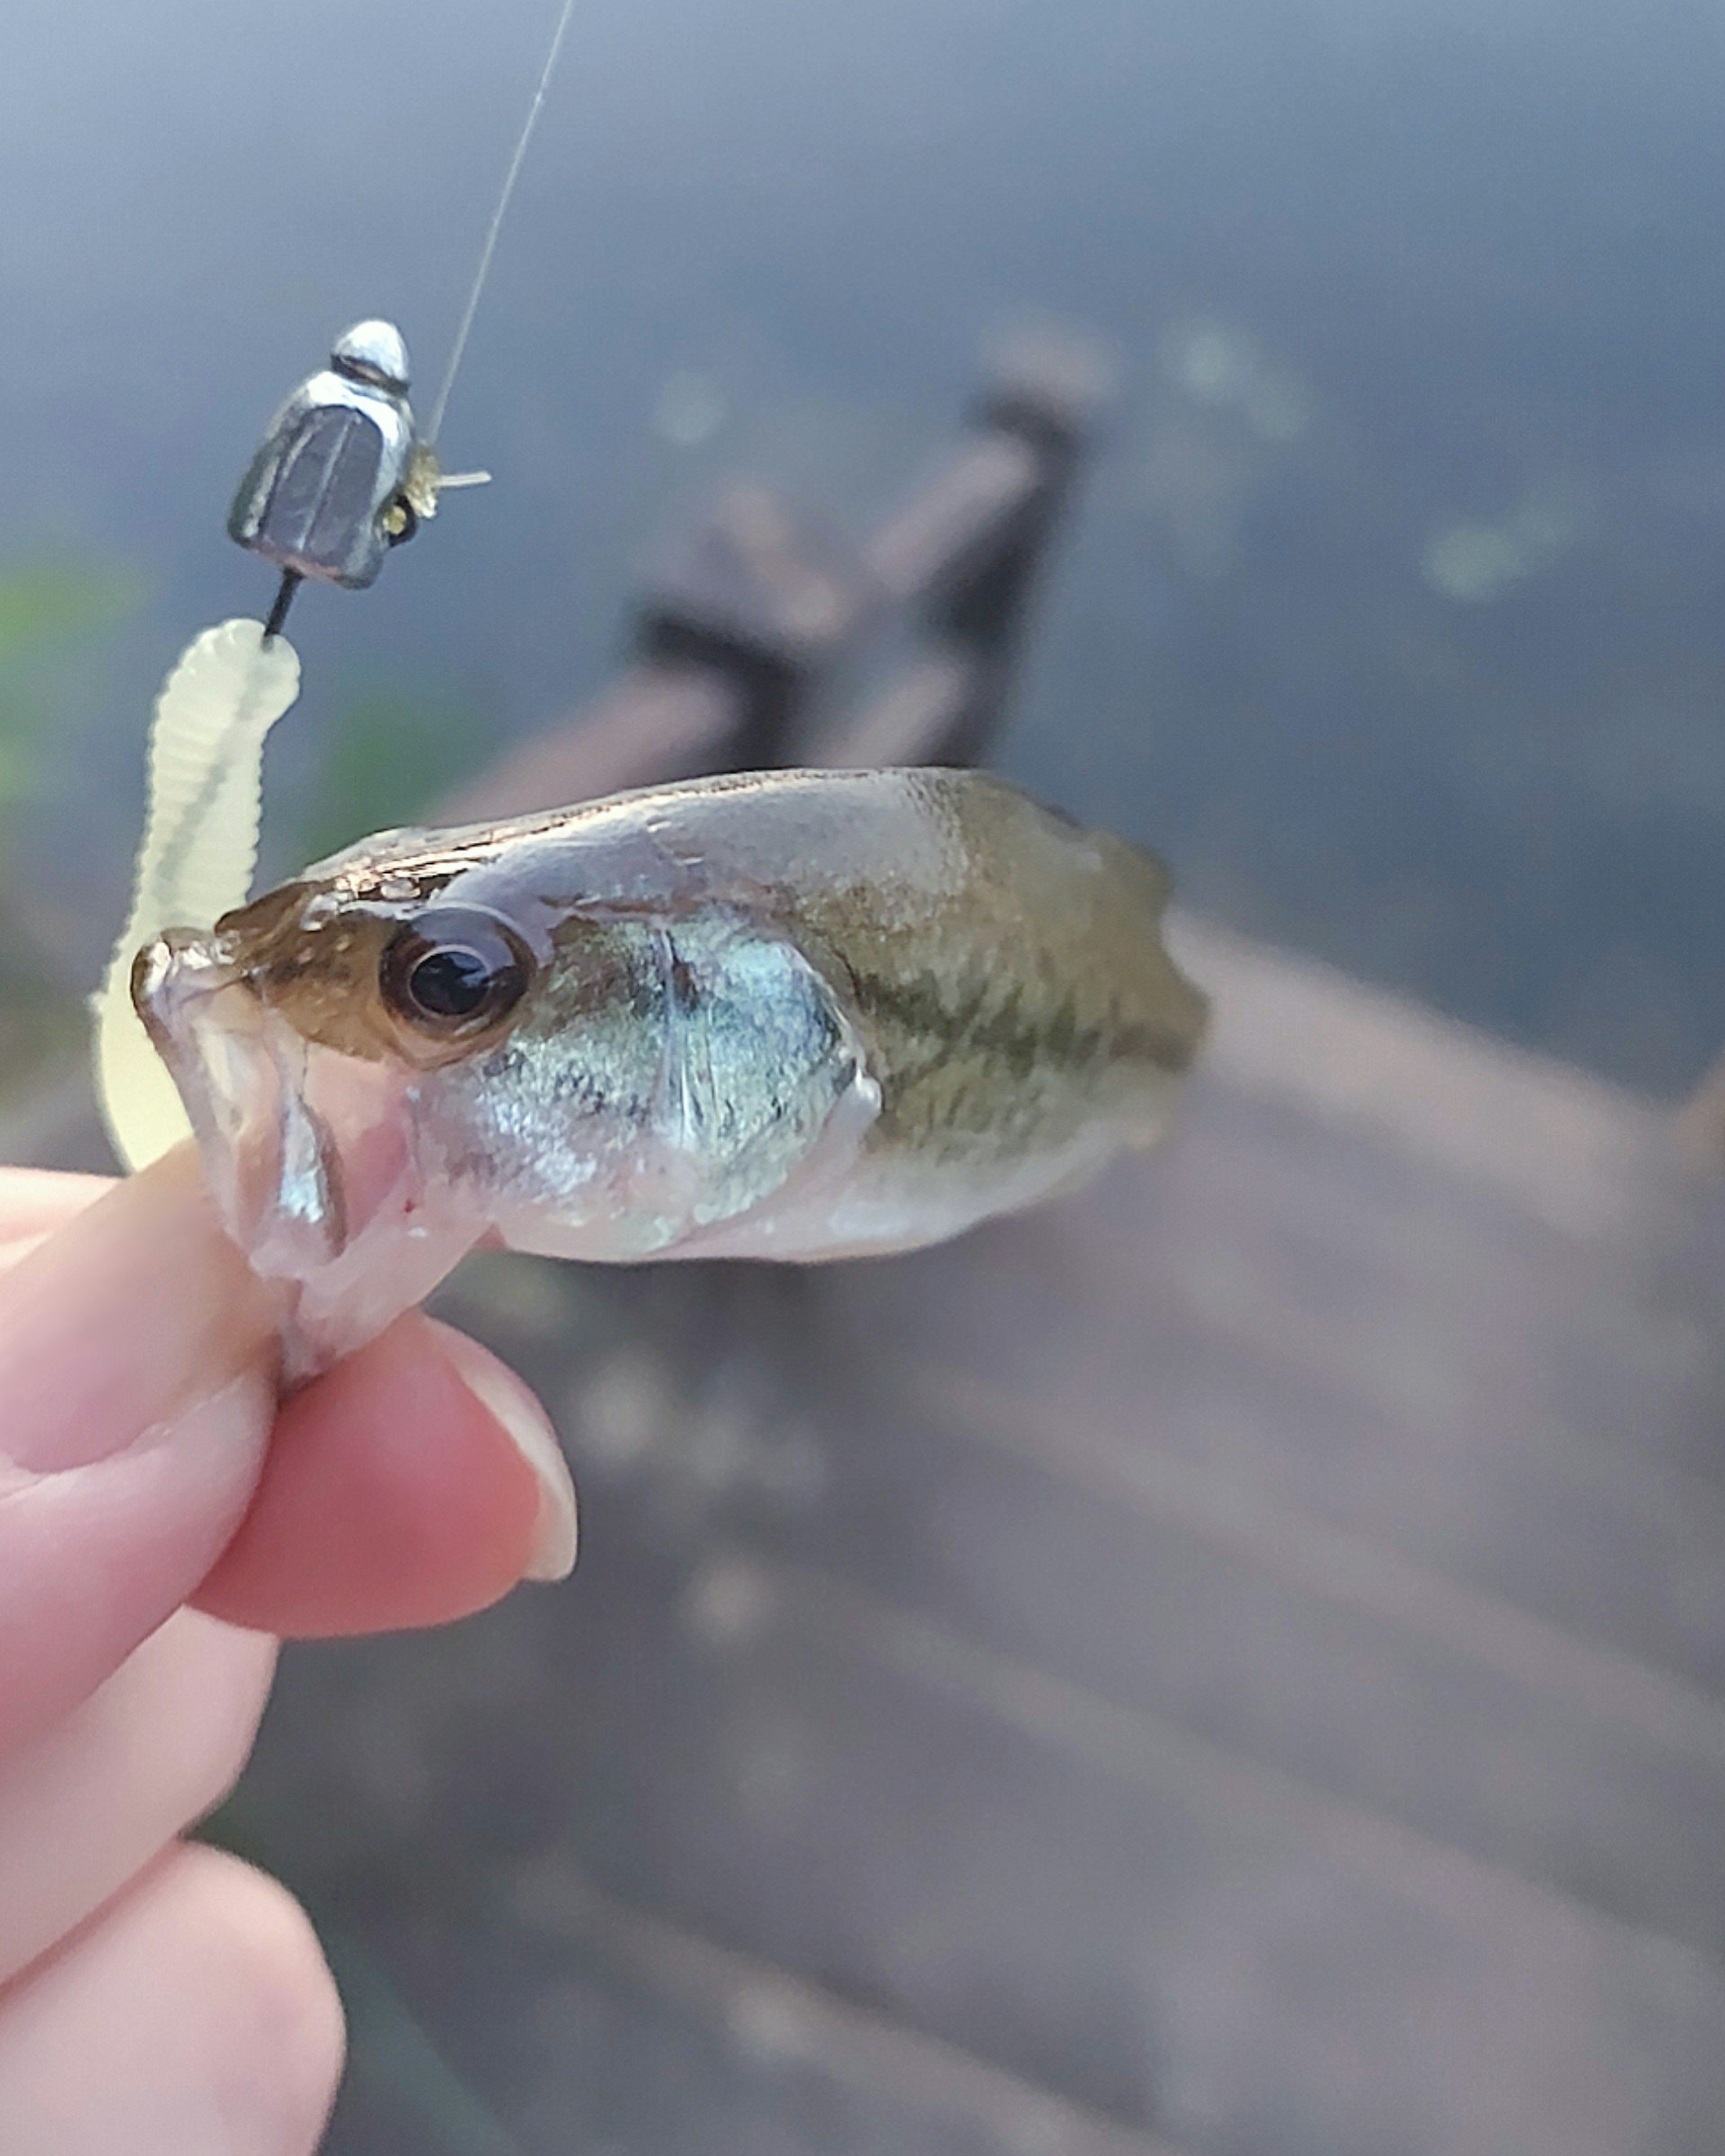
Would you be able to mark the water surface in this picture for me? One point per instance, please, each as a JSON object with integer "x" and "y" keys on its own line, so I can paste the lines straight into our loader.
{"x": 1391, "y": 613}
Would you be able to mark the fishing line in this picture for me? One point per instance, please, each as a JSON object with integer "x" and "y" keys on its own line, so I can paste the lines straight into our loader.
{"x": 490, "y": 248}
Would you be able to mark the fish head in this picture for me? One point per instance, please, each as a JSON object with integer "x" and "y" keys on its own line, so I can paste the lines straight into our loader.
{"x": 386, "y": 1064}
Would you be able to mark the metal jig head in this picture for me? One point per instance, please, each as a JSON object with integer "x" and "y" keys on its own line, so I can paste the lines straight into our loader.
{"x": 342, "y": 474}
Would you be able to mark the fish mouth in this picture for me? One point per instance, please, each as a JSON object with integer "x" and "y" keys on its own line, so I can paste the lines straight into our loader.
{"x": 272, "y": 1159}
{"x": 310, "y": 1153}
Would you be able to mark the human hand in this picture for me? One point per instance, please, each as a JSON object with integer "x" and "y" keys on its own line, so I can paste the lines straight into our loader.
{"x": 157, "y": 1998}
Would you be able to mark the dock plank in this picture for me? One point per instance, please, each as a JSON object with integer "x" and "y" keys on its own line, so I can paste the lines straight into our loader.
{"x": 1233, "y": 1661}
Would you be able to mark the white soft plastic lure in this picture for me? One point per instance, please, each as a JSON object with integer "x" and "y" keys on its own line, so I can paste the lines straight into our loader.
{"x": 199, "y": 847}
{"x": 789, "y": 1015}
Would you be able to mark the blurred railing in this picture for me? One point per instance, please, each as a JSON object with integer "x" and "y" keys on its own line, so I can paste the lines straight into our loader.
{"x": 754, "y": 616}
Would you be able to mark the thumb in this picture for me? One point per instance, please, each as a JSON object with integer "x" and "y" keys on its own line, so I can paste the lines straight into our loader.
{"x": 137, "y": 1354}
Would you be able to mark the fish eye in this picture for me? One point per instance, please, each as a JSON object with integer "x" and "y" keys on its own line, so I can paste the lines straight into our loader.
{"x": 454, "y": 971}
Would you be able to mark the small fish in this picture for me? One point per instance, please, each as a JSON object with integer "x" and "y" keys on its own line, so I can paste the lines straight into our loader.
{"x": 790, "y": 1014}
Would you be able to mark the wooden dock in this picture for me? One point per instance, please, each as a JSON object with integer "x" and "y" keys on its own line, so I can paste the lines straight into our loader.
{"x": 1232, "y": 1664}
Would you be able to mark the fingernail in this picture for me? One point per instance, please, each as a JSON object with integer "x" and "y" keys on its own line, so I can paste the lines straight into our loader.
{"x": 509, "y": 1403}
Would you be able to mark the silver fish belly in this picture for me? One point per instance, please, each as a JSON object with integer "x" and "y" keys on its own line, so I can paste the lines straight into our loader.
{"x": 790, "y": 1014}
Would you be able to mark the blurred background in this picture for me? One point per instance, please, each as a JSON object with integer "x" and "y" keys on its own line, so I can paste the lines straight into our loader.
{"x": 1242, "y": 1674}
{"x": 1392, "y": 616}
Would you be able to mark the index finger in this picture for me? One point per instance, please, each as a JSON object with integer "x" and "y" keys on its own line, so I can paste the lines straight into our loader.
{"x": 136, "y": 1395}
{"x": 35, "y": 1201}
{"x": 137, "y": 1407}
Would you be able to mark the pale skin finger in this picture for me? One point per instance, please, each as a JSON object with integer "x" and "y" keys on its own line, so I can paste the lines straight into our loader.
{"x": 100, "y": 1796}
{"x": 190, "y": 2010}
{"x": 138, "y": 1402}
{"x": 194, "y": 2017}
{"x": 35, "y": 1201}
